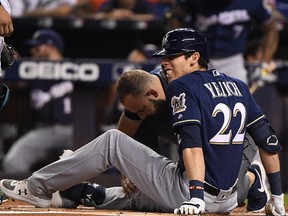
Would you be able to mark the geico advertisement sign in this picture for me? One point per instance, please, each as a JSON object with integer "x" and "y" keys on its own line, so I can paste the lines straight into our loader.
{"x": 59, "y": 70}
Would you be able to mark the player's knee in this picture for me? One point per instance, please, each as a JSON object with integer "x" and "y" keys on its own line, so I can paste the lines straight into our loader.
{"x": 114, "y": 133}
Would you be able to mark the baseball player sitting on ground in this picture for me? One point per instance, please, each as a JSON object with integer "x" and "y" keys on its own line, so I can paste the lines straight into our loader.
{"x": 147, "y": 131}
{"x": 210, "y": 113}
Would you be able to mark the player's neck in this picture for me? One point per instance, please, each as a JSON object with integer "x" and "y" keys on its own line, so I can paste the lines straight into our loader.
{"x": 159, "y": 87}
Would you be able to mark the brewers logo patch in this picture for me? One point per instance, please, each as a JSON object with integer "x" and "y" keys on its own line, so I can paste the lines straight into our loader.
{"x": 178, "y": 103}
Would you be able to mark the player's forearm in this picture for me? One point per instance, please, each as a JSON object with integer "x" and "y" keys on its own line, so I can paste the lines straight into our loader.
{"x": 270, "y": 161}
{"x": 194, "y": 163}
{"x": 270, "y": 41}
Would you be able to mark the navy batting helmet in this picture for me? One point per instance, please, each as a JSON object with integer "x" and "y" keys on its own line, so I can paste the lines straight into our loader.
{"x": 183, "y": 40}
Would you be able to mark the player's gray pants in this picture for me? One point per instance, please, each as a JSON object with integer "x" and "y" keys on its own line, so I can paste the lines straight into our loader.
{"x": 36, "y": 145}
{"x": 249, "y": 152}
{"x": 156, "y": 176}
{"x": 159, "y": 125}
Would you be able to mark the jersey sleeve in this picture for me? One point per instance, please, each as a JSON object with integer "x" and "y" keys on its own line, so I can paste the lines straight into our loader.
{"x": 184, "y": 108}
{"x": 261, "y": 12}
{"x": 255, "y": 112}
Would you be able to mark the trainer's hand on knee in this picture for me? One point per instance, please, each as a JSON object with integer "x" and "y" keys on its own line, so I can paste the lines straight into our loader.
{"x": 128, "y": 187}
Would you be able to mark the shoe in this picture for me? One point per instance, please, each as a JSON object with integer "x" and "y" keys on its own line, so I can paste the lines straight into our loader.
{"x": 87, "y": 194}
{"x": 19, "y": 190}
{"x": 59, "y": 201}
{"x": 257, "y": 194}
{"x": 3, "y": 197}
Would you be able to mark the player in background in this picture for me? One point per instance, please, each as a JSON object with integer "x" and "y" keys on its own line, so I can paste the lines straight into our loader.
{"x": 50, "y": 101}
{"x": 227, "y": 24}
{"x": 6, "y": 29}
{"x": 126, "y": 10}
{"x": 206, "y": 101}
{"x": 141, "y": 53}
{"x": 42, "y": 8}
{"x": 6, "y": 55}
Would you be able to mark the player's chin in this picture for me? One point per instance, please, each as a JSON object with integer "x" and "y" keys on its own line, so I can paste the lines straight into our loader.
{"x": 170, "y": 79}
{"x": 169, "y": 76}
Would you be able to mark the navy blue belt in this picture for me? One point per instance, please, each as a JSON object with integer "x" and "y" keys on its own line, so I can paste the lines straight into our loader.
{"x": 215, "y": 191}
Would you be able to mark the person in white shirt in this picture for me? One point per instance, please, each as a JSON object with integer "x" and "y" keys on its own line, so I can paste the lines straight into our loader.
{"x": 28, "y": 8}
{"x": 6, "y": 29}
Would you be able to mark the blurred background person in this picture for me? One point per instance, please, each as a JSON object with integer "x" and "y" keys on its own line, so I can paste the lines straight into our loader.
{"x": 40, "y": 8}
{"x": 159, "y": 8}
{"x": 227, "y": 25}
{"x": 162, "y": 8}
{"x": 86, "y": 8}
{"x": 5, "y": 21}
{"x": 50, "y": 101}
{"x": 279, "y": 9}
{"x": 282, "y": 6}
{"x": 141, "y": 53}
{"x": 141, "y": 10}
{"x": 6, "y": 29}
{"x": 259, "y": 73}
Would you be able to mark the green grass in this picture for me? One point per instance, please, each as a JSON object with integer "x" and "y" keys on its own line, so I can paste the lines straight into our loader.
{"x": 286, "y": 199}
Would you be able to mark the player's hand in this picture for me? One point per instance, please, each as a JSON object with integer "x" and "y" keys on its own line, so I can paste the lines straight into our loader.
{"x": 6, "y": 26}
{"x": 275, "y": 206}
{"x": 193, "y": 207}
{"x": 128, "y": 187}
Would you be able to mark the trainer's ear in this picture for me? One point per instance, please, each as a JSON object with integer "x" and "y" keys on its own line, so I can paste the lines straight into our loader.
{"x": 153, "y": 93}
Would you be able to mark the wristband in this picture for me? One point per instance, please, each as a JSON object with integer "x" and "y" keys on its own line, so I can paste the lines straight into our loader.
{"x": 196, "y": 189}
{"x": 275, "y": 186}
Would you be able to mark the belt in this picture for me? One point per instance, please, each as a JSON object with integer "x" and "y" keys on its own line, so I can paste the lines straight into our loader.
{"x": 215, "y": 191}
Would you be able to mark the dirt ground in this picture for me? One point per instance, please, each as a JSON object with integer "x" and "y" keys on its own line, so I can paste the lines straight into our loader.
{"x": 16, "y": 208}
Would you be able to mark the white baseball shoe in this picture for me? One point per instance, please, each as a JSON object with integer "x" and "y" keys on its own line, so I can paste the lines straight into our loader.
{"x": 19, "y": 190}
